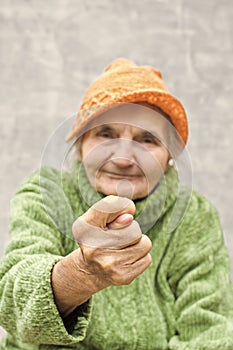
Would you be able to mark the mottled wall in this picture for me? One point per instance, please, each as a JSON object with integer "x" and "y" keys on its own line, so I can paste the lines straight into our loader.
{"x": 51, "y": 51}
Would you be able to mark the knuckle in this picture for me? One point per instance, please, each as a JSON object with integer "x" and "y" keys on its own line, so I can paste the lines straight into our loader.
{"x": 114, "y": 204}
{"x": 149, "y": 259}
{"x": 88, "y": 253}
{"x": 146, "y": 243}
{"x": 115, "y": 278}
{"x": 119, "y": 275}
{"x": 94, "y": 216}
{"x": 116, "y": 281}
{"x": 120, "y": 279}
{"x": 128, "y": 280}
{"x": 74, "y": 227}
{"x": 107, "y": 264}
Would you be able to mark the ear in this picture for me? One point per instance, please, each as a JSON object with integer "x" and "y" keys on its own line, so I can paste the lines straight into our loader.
{"x": 79, "y": 156}
{"x": 78, "y": 149}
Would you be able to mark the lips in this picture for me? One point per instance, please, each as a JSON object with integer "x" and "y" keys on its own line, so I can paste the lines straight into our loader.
{"x": 117, "y": 175}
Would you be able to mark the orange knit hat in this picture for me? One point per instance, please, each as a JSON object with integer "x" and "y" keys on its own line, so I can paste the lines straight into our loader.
{"x": 125, "y": 82}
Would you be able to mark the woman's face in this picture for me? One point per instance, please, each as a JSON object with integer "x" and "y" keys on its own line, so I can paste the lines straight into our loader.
{"x": 122, "y": 151}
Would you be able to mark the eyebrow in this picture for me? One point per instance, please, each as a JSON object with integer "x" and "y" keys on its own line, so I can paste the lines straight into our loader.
{"x": 153, "y": 134}
{"x": 109, "y": 128}
{"x": 104, "y": 128}
{"x": 144, "y": 132}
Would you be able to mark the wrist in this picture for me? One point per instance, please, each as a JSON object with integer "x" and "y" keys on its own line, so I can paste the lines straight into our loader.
{"x": 72, "y": 283}
{"x": 92, "y": 279}
{"x": 68, "y": 286}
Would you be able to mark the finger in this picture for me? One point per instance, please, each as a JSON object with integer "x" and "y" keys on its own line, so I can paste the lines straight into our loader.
{"x": 120, "y": 222}
{"x": 107, "y": 210}
{"x": 137, "y": 251}
{"x": 131, "y": 252}
{"x": 133, "y": 271}
{"x": 93, "y": 236}
{"x": 142, "y": 264}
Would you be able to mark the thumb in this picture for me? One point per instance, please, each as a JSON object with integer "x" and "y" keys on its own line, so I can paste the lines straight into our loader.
{"x": 120, "y": 222}
{"x": 107, "y": 210}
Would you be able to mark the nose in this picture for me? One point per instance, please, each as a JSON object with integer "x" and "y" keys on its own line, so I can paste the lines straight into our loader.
{"x": 123, "y": 156}
{"x": 122, "y": 162}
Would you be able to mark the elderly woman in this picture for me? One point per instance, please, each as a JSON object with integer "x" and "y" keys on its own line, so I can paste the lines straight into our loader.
{"x": 102, "y": 257}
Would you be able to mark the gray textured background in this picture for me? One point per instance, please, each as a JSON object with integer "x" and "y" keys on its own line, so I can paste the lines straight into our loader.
{"x": 52, "y": 50}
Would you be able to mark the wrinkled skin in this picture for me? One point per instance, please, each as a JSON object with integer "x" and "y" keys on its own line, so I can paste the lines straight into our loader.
{"x": 89, "y": 269}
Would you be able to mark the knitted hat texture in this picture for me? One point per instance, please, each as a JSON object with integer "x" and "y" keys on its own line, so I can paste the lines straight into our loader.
{"x": 125, "y": 82}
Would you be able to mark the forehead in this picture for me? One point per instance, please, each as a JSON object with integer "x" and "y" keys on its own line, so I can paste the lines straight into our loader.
{"x": 134, "y": 115}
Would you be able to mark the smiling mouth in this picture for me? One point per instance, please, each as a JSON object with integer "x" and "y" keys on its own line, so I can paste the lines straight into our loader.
{"x": 121, "y": 176}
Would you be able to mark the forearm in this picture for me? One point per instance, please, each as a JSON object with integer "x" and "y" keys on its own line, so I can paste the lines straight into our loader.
{"x": 72, "y": 284}
{"x": 27, "y": 308}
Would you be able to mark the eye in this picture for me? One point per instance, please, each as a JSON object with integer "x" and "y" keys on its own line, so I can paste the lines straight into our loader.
{"x": 107, "y": 134}
{"x": 148, "y": 138}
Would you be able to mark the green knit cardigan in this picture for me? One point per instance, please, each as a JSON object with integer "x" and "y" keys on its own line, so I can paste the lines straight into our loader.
{"x": 183, "y": 301}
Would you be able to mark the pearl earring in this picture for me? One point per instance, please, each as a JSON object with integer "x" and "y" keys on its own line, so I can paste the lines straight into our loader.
{"x": 171, "y": 162}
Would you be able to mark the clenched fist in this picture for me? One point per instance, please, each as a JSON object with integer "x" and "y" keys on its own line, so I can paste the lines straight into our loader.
{"x": 112, "y": 247}
{"x": 112, "y": 251}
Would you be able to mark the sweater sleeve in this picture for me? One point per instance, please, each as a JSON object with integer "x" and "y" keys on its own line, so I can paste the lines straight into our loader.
{"x": 27, "y": 308}
{"x": 200, "y": 279}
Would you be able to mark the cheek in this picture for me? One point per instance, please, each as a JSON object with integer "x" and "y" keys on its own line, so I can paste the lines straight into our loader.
{"x": 154, "y": 164}
{"x": 86, "y": 148}
{"x": 165, "y": 158}
{"x": 162, "y": 156}
{"x": 94, "y": 155}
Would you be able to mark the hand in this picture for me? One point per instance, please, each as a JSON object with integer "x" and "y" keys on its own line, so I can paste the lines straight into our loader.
{"x": 113, "y": 250}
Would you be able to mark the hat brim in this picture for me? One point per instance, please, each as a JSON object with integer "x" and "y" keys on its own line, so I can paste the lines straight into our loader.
{"x": 164, "y": 100}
